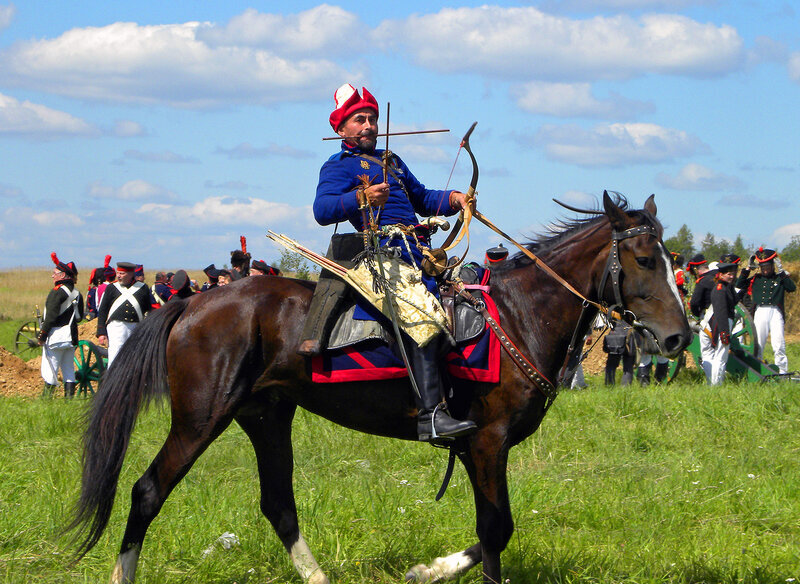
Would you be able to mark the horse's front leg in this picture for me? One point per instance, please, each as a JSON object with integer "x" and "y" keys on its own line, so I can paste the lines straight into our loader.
{"x": 486, "y": 462}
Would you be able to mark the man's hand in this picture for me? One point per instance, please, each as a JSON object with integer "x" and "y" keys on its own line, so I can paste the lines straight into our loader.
{"x": 377, "y": 195}
{"x": 459, "y": 200}
{"x": 752, "y": 264}
{"x": 103, "y": 340}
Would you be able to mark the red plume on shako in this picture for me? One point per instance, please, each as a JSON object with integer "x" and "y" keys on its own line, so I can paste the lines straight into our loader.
{"x": 69, "y": 268}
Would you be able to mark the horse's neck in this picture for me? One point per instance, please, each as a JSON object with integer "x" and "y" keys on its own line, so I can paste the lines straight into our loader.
{"x": 541, "y": 314}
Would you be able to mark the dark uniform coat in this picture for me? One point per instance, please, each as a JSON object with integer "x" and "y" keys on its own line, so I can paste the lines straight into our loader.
{"x": 54, "y": 317}
{"x": 125, "y": 312}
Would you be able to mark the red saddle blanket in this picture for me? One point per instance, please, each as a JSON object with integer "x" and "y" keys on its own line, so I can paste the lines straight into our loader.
{"x": 475, "y": 360}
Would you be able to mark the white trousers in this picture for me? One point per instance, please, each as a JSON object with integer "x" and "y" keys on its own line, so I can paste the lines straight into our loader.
{"x": 53, "y": 359}
{"x": 719, "y": 360}
{"x": 578, "y": 380}
{"x": 706, "y": 354}
{"x": 118, "y": 333}
{"x": 768, "y": 321}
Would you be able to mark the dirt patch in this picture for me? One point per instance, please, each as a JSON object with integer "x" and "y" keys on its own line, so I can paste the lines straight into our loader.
{"x": 18, "y": 378}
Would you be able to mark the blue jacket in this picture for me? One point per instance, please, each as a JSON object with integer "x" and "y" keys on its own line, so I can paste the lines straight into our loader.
{"x": 336, "y": 200}
{"x": 338, "y": 180}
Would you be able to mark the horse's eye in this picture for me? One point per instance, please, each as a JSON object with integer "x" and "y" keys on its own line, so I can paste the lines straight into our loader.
{"x": 644, "y": 262}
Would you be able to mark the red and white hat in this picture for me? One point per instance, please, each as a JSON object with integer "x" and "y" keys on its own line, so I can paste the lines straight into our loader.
{"x": 347, "y": 101}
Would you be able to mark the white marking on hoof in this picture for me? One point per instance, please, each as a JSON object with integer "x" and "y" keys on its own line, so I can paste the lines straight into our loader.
{"x": 305, "y": 563}
{"x": 440, "y": 569}
{"x": 125, "y": 569}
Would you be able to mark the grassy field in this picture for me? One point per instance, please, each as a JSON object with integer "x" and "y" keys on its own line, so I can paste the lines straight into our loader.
{"x": 677, "y": 484}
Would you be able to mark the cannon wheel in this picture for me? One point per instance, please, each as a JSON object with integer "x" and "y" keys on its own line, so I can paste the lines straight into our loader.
{"x": 26, "y": 343}
{"x": 89, "y": 366}
{"x": 743, "y": 331}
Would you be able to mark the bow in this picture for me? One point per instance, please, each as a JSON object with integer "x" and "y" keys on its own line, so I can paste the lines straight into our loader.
{"x": 472, "y": 185}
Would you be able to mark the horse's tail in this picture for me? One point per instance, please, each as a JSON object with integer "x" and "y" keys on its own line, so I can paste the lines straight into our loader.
{"x": 138, "y": 374}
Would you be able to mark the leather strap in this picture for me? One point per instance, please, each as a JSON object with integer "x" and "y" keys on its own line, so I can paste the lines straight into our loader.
{"x": 531, "y": 372}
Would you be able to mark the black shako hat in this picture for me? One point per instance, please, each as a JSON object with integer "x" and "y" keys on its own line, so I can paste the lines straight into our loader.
{"x": 180, "y": 280}
{"x": 729, "y": 258}
{"x": 68, "y": 268}
{"x": 697, "y": 260}
{"x": 765, "y": 255}
{"x": 496, "y": 254}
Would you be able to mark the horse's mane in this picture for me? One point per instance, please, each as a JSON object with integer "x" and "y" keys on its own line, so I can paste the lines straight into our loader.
{"x": 564, "y": 229}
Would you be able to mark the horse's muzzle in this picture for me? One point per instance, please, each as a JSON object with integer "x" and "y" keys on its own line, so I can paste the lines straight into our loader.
{"x": 676, "y": 343}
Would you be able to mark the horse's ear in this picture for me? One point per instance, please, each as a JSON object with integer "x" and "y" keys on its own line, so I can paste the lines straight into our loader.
{"x": 650, "y": 205}
{"x": 617, "y": 216}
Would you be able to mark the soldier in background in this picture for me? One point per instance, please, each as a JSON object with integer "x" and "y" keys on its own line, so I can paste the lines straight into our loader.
{"x": 723, "y": 302}
{"x": 240, "y": 261}
{"x": 160, "y": 290}
{"x": 123, "y": 306}
{"x": 58, "y": 335}
{"x": 700, "y": 306}
{"x": 212, "y": 274}
{"x": 767, "y": 289}
{"x": 262, "y": 268}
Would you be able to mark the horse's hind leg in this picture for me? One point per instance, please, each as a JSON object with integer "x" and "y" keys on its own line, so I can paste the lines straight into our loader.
{"x": 270, "y": 431}
{"x": 182, "y": 448}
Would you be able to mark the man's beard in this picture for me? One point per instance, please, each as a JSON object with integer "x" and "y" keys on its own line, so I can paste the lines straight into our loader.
{"x": 367, "y": 142}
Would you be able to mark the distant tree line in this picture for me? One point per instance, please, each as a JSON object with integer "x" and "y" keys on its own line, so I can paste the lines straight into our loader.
{"x": 683, "y": 243}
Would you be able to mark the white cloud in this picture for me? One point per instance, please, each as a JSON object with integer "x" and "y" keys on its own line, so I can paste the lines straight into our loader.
{"x": 794, "y": 67}
{"x": 696, "y": 177}
{"x": 322, "y": 30}
{"x": 621, "y": 5}
{"x": 526, "y": 42}
{"x": 6, "y": 15}
{"x": 783, "y": 235}
{"x": 134, "y": 190}
{"x": 164, "y": 64}
{"x": 616, "y": 144}
{"x": 24, "y": 118}
{"x": 225, "y": 211}
{"x": 57, "y": 219}
{"x": 128, "y": 129}
{"x": 575, "y": 100}
{"x": 579, "y": 199}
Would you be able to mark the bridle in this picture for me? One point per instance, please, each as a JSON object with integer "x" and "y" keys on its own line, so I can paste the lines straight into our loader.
{"x": 613, "y": 270}
{"x": 617, "y": 310}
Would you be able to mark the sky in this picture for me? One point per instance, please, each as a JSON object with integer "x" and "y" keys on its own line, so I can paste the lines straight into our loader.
{"x": 159, "y": 132}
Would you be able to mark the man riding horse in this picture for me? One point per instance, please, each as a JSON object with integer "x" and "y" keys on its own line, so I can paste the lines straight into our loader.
{"x": 359, "y": 176}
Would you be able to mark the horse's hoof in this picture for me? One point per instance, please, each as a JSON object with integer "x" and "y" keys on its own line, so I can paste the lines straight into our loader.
{"x": 420, "y": 573}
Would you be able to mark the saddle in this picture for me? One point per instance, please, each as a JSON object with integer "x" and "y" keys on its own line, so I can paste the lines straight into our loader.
{"x": 466, "y": 321}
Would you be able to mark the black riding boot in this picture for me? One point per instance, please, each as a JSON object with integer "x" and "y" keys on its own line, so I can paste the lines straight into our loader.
{"x": 69, "y": 389}
{"x": 662, "y": 370}
{"x": 433, "y": 421}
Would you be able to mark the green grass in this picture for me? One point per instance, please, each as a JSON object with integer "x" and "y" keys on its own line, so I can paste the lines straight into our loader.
{"x": 677, "y": 484}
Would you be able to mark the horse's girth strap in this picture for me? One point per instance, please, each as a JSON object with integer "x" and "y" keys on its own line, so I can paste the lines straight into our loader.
{"x": 531, "y": 372}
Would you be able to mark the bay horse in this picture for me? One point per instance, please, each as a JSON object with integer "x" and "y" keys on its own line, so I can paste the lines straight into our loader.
{"x": 229, "y": 355}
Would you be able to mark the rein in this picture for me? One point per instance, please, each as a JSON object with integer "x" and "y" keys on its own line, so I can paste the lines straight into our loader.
{"x": 617, "y": 311}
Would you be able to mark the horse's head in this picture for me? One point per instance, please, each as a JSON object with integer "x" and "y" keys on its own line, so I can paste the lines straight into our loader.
{"x": 644, "y": 283}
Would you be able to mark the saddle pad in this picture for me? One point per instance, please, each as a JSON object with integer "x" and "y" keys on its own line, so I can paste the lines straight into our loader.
{"x": 373, "y": 360}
